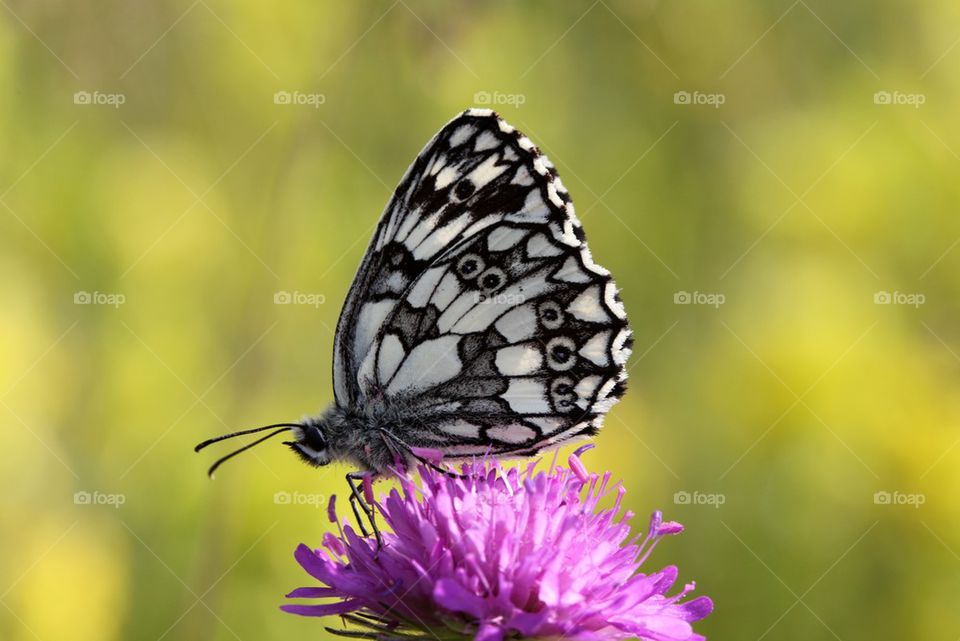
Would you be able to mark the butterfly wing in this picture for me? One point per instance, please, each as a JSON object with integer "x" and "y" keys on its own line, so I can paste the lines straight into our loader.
{"x": 426, "y": 215}
{"x": 506, "y": 337}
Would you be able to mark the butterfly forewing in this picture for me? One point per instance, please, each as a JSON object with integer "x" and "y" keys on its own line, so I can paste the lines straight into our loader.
{"x": 478, "y": 309}
{"x": 429, "y": 211}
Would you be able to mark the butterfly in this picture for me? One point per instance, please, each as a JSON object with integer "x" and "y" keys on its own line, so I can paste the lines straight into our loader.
{"x": 478, "y": 323}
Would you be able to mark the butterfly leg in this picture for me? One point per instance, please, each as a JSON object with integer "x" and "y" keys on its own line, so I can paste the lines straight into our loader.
{"x": 399, "y": 446}
{"x": 356, "y": 481}
{"x": 354, "y": 505}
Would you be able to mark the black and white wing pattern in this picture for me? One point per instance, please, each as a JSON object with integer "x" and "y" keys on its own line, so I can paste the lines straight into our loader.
{"x": 478, "y": 314}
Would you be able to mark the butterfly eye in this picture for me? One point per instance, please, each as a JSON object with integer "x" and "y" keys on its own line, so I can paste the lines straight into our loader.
{"x": 492, "y": 279}
{"x": 313, "y": 437}
{"x": 469, "y": 266}
{"x": 560, "y": 353}
{"x": 551, "y": 316}
{"x": 464, "y": 189}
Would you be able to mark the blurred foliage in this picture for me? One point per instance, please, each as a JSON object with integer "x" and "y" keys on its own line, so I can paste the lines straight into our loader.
{"x": 798, "y": 199}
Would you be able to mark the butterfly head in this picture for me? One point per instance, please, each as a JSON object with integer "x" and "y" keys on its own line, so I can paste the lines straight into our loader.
{"x": 310, "y": 443}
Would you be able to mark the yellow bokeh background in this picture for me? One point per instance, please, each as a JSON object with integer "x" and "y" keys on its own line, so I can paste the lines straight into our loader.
{"x": 790, "y": 162}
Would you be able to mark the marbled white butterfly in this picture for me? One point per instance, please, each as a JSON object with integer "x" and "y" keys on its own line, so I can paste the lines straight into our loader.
{"x": 478, "y": 323}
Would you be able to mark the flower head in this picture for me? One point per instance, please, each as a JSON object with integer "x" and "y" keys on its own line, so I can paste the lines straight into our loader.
{"x": 502, "y": 554}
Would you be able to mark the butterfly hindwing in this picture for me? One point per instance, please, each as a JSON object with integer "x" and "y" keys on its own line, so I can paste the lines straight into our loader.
{"x": 479, "y": 309}
{"x": 533, "y": 356}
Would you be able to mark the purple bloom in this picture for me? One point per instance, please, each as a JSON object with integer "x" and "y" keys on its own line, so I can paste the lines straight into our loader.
{"x": 502, "y": 554}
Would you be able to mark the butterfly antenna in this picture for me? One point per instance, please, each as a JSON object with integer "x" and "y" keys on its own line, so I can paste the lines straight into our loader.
{"x": 224, "y": 459}
{"x": 217, "y": 439}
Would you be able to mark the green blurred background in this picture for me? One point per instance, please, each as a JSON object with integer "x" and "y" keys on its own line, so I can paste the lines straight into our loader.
{"x": 778, "y": 184}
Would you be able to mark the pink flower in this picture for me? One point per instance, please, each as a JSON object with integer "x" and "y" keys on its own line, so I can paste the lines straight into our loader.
{"x": 501, "y": 554}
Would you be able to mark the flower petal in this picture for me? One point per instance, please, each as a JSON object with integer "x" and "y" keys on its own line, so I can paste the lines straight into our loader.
{"x": 326, "y": 609}
{"x": 489, "y": 632}
{"x": 669, "y": 527}
{"x": 332, "y": 508}
{"x": 453, "y": 596}
{"x": 310, "y": 562}
{"x": 527, "y": 623}
{"x": 697, "y": 609}
{"x": 312, "y": 593}
{"x": 667, "y": 627}
{"x": 429, "y": 454}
